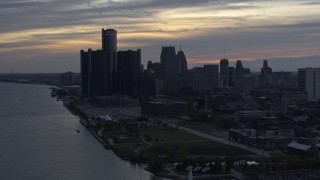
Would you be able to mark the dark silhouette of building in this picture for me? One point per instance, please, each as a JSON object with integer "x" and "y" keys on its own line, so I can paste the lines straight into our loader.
{"x": 168, "y": 60}
{"x": 212, "y": 76}
{"x": 265, "y": 78}
{"x": 84, "y": 82}
{"x": 302, "y": 79}
{"x": 155, "y": 67}
{"x": 67, "y": 79}
{"x": 148, "y": 85}
{"x": 109, "y": 44}
{"x": 240, "y": 70}
{"x": 100, "y": 79}
{"x": 232, "y": 76}
{"x": 129, "y": 70}
{"x": 99, "y": 68}
{"x": 224, "y": 72}
{"x": 182, "y": 65}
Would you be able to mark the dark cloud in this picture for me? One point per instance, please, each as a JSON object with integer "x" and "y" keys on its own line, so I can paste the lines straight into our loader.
{"x": 19, "y": 4}
{"x": 243, "y": 38}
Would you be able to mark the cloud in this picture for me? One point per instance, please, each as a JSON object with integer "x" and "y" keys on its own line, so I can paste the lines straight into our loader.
{"x": 248, "y": 29}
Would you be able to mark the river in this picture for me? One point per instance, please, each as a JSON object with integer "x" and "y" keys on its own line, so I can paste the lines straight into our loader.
{"x": 38, "y": 141}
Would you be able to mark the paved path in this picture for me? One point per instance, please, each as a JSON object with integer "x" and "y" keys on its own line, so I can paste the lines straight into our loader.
{"x": 237, "y": 174}
{"x": 225, "y": 141}
{"x": 141, "y": 148}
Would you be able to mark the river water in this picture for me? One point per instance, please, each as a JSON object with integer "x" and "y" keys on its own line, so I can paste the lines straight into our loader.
{"x": 38, "y": 141}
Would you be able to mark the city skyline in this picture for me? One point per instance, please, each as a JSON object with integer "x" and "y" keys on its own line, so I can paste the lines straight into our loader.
{"x": 47, "y": 35}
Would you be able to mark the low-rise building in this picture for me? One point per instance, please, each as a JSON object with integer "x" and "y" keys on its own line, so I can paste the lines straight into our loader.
{"x": 303, "y": 151}
{"x": 249, "y": 116}
{"x": 166, "y": 108}
{"x": 270, "y": 140}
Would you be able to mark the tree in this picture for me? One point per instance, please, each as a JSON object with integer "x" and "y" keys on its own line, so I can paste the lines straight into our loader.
{"x": 199, "y": 116}
{"x": 155, "y": 165}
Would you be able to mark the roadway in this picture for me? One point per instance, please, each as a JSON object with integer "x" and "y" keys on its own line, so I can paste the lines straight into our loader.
{"x": 225, "y": 141}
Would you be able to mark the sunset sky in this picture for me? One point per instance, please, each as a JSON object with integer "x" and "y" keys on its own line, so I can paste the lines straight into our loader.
{"x": 47, "y": 35}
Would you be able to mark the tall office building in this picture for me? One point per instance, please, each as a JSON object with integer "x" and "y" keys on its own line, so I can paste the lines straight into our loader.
{"x": 182, "y": 65}
{"x": 168, "y": 60}
{"x": 84, "y": 67}
{"x": 224, "y": 72}
{"x": 239, "y": 68}
{"x": 155, "y": 67}
{"x": 99, "y": 68}
{"x": 265, "y": 78}
{"x": 109, "y": 44}
{"x": 302, "y": 79}
{"x": 232, "y": 76}
{"x": 309, "y": 78}
{"x": 212, "y": 76}
{"x": 129, "y": 63}
{"x": 100, "y": 79}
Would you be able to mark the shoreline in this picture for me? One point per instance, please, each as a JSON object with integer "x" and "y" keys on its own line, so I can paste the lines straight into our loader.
{"x": 84, "y": 121}
{"x": 166, "y": 175}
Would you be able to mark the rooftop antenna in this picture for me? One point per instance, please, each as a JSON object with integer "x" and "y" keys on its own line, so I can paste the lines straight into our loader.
{"x": 180, "y": 47}
{"x": 224, "y": 53}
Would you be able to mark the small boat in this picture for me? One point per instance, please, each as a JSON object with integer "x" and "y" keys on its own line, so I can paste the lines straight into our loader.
{"x": 78, "y": 130}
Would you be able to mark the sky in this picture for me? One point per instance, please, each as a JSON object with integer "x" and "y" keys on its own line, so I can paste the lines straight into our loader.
{"x": 47, "y": 35}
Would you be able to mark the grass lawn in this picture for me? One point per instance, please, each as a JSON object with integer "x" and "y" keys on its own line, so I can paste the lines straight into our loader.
{"x": 207, "y": 127}
{"x": 126, "y": 148}
{"x": 197, "y": 148}
{"x": 171, "y": 135}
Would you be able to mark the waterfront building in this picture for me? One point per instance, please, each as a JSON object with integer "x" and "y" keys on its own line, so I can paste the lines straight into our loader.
{"x": 67, "y": 79}
{"x": 309, "y": 80}
{"x": 109, "y": 45}
{"x": 100, "y": 76}
{"x": 84, "y": 68}
{"x": 99, "y": 68}
{"x": 129, "y": 63}
{"x": 224, "y": 72}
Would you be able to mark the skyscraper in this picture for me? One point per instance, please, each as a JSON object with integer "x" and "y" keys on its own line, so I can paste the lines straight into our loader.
{"x": 109, "y": 45}
{"x": 309, "y": 78}
{"x": 129, "y": 63}
{"x": 168, "y": 60}
{"x": 232, "y": 76}
{"x": 182, "y": 65}
{"x": 266, "y": 75}
{"x": 224, "y": 72}
{"x": 100, "y": 83}
{"x": 212, "y": 76}
{"x": 99, "y": 68}
{"x": 156, "y": 68}
{"x": 84, "y": 63}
